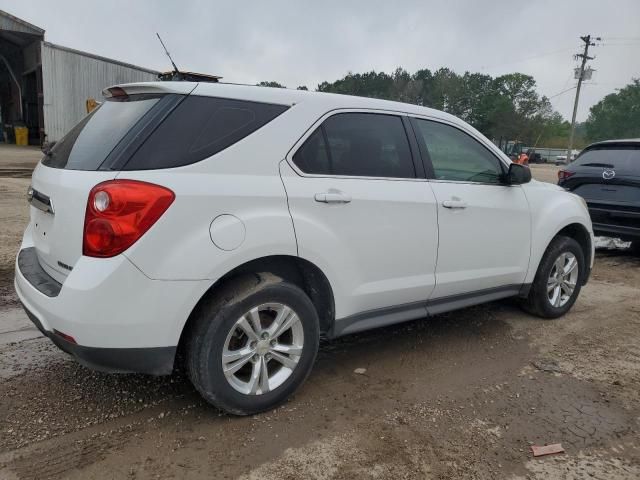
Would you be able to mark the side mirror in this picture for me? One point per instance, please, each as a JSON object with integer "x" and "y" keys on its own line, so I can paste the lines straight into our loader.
{"x": 518, "y": 174}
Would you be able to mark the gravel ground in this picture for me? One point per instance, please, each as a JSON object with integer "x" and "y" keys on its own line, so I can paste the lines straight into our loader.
{"x": 461, "y": 395}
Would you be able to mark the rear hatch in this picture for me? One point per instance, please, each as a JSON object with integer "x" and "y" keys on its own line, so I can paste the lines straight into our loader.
{"x": 62, "y": 181}
{"x": 607, "y": 174}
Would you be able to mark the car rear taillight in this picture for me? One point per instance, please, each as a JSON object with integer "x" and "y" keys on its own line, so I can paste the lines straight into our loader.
{"x": 564, "y": 174}
{"x": 119, "y": 212}
{"x": 116, "y": 93}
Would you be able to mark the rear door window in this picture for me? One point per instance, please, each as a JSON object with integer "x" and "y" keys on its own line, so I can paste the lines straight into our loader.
{"x": 358, "y": 144}
{"x": 89, "y": 143}
{"x": 201, "y": 127}
{"x": 313, "y": 156}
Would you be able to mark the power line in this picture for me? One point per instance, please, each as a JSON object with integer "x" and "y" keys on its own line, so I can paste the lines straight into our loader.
{"x": 618, "y": 41}
{"x": 567, "y": 81}
{"x": 619, "y": 44}
{"x": 606, "y": 38}
{"x": 526, "y": 59}
{"x": 560, "y": 93}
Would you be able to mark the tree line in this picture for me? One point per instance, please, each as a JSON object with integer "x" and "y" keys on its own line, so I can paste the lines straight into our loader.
{"x": 506, "y": 107}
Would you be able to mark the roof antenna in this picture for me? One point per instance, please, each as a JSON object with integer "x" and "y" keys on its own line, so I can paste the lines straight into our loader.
{"x": 175, "y": 69}
{"x": 177, "y": 75}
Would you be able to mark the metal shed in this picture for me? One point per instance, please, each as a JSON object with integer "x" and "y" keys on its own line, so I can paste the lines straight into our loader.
{"x": 45, "y": 87}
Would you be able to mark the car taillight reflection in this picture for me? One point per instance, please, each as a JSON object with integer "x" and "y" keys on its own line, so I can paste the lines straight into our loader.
{"x": 564, "y": 174}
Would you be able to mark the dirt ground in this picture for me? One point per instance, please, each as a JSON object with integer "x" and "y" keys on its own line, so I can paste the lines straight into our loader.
{"x": 461, "y": 395}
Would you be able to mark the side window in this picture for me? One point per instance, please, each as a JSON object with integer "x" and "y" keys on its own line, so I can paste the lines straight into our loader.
{"x": 358, "y": 144}
{"x": 456, "y": 155}
{"x": 313, "y": 157}
{"x": 201, "y": 127}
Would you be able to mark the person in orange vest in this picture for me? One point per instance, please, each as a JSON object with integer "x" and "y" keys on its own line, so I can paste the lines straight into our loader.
{"x": 523, "y": 159}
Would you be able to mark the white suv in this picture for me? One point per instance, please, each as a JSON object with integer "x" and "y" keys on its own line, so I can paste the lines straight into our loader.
{"x": 236, "y": 225}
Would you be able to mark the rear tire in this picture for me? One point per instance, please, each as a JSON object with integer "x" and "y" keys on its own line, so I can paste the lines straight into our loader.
{"x": 635, "y": 248}
{"x": 557, "y": 285}
{"x": 239, "y": 356}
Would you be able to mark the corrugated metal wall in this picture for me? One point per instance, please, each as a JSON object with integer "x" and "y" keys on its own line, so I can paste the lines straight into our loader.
{"x": 70, "y": 77}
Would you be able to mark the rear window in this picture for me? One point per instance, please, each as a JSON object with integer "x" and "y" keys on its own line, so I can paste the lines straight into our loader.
{"x": 143, "y": 132}
{"x": 624, "y": 158}
{"x": 89, "y": 143}
{"x": 200, "y": 127}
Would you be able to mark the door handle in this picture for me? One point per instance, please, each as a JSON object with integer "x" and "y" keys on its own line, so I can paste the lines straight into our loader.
{"x": 332, "y": 197}
{"x": 454, "y": 204}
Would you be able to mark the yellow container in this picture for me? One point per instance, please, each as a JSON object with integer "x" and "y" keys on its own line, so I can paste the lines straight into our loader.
{"x": 22, "y": 135}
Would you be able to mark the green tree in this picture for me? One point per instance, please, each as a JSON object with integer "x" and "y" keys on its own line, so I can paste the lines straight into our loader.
{"x": 506, "y": 107}
{"x": 424, "y": 79}
{"x": 370, "y": 84}
{"x": 270, "y": 84}
{"x": 617, "y": 115}
{"x": 403, "y": 88}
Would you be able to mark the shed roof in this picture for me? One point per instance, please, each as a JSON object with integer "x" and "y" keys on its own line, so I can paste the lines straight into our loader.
{"x": 17, "y": 31}
{"x": 15, "y": 24}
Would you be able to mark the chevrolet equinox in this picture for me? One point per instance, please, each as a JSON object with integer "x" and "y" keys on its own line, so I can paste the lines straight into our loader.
{"x": 233, "y": 226}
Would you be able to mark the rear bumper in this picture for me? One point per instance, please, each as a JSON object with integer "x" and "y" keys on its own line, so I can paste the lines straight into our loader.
{"x": 121, "y": 320}
{"x": 153, "y": 361}
{"x": 618, "y": 231}
{"x": 615, "y": 220}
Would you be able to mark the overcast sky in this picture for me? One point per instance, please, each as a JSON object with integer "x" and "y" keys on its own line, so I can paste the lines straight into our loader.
{"x": 303, "y": 42}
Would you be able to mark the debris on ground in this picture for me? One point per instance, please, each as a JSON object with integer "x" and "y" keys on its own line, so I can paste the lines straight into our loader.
{"x": 360, "y": 371}
{"x": 547, "y": 449}
{"x": 547, "y": 365}
{"x": 611, "y": 243}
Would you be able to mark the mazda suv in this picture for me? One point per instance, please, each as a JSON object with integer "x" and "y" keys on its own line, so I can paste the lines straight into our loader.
{"x": 607, "y": 175}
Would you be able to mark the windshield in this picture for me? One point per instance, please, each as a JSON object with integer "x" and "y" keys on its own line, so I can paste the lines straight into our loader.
{"x": 89, "y": 143}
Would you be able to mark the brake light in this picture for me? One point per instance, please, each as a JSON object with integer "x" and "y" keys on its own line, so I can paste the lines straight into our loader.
{"x": 119, "y": 212}
{"x": 564, "y": 174}
{"x": 116, "y": 93}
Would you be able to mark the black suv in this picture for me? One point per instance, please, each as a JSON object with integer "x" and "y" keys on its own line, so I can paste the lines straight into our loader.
{"x": 607, "y": 175}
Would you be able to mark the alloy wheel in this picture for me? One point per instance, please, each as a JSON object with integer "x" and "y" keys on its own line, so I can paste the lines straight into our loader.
{"x": 563, "y": 279}
{"x": 262, "y": 349}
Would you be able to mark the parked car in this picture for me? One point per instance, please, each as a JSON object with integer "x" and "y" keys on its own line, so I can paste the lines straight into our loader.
{"x": 235, "y": 225}
{"x": 607, "y": 175}
{"x": 562, "y": 159}
{"x": 535, "y": 157}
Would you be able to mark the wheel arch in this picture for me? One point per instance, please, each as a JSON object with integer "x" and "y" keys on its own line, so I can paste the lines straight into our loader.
{"x": 296, "y": 270}
{"x": 579, "y": 232}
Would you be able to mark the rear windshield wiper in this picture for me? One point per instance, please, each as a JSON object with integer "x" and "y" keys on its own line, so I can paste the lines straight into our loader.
{"x": 603, "y": 165}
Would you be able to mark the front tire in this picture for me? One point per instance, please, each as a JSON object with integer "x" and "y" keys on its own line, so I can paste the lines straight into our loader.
{"x": 558, "y": 280}
{"x": 252, "y": 344}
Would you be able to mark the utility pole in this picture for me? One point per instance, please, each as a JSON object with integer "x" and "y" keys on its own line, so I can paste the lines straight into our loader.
{"x": 584, "y": 56}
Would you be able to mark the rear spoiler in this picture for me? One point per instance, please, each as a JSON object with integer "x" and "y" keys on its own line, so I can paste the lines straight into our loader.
{"x": 182, "y": 88}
